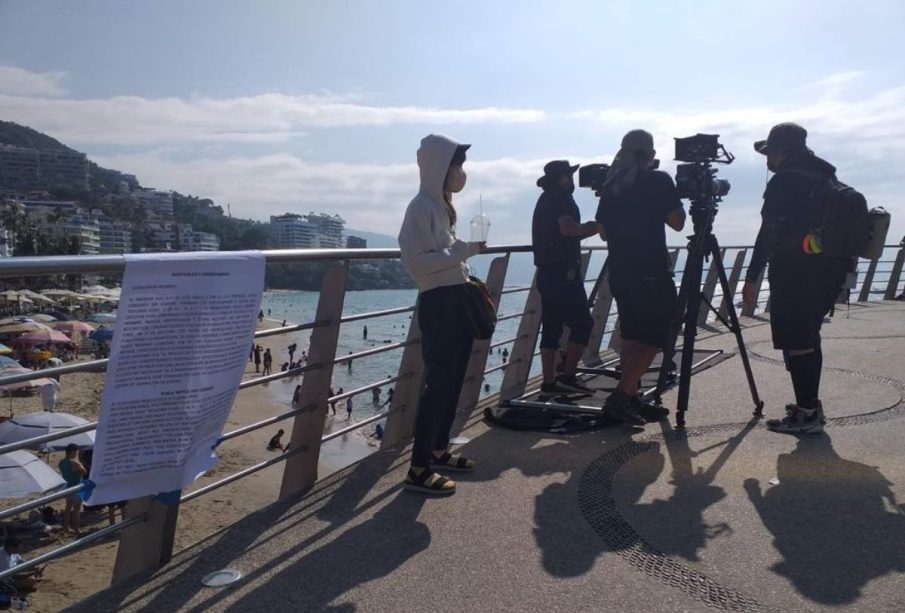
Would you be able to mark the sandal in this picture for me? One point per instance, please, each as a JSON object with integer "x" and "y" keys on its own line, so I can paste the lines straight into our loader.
{"x": 454, "y": 463}
{"x": 429, "y": 482}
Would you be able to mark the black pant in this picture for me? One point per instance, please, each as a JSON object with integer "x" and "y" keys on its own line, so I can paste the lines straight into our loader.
{"x": 446, "y": 342}
{"x": 803, "y": 289}
{"x": 563, "y": 301}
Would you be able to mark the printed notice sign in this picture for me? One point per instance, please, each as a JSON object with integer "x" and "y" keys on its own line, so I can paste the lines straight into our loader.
{"x": 183, "y": 329}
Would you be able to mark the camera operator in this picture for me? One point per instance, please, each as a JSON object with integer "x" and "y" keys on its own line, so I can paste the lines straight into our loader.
{"x": 636, "y": 203}
{"x": 556, "y": 234}
{"x": 803, "y": 286}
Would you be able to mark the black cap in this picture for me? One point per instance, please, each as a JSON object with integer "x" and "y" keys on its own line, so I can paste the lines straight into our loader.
{"x": 556, "y": 169}
{"x": 783, "y": 136}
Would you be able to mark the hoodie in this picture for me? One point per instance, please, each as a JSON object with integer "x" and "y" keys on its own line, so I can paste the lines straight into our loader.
{"x": 789, "y": 210}
{"x": 430, "y": 250}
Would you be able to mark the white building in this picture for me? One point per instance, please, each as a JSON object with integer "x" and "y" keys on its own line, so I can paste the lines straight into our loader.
{"x": 329, "y": 229}
{"x": 157, "y": 204}
{"x": 292, "y": 231}
{"x": 115, "y": 236}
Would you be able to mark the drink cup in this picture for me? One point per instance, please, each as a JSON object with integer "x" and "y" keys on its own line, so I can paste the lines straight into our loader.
{"x": 480, "y": 228}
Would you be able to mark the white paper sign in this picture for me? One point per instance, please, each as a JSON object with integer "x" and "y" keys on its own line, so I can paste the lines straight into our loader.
{"x": 183, "y": 329}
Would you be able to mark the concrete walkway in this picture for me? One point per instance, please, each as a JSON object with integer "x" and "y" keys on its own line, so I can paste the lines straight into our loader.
{"x": 726, "y": 516}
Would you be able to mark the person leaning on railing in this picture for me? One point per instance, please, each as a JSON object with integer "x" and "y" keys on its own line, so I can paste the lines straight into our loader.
{"x": 435, "y": 258}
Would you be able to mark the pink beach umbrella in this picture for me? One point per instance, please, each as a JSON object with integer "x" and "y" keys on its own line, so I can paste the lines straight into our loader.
{"x": 72, "y": 326}
{"x": 44, "y": 336}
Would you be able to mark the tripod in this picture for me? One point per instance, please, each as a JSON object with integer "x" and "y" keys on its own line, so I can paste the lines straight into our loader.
{"x": 702, "y": 245}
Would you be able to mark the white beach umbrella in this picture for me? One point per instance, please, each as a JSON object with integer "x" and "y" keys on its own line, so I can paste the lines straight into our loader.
{"x": 30, "y": 425}
{"x": 21, "y": 473}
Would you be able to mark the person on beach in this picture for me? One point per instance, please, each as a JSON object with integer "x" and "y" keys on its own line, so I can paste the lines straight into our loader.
{"x": 257, "y": 351}
{"x": 268, "y": 362}
{"x": 389, "y": 399}
{"x": 349, "y": 408}
{"x": 365, "y": 333}
{"x": 73, "y": 473}
{"x": 276, "y": 441}
{"x": 10, "y": 557}
{"x": 375, "y": 396}
{"x": 261, "y": 315}
{"x": 349, "y": 363}
{"x": 804, "y": 284}
{"x": 304, "y": 359}
{"x": 556, "y": 235}
{"x": 435, "y": 258}
{"x": 291, "y": 350}
{"x": 331, "y": 394}
{"x": 297, "y": 395}
{"x": 637, "y": 203}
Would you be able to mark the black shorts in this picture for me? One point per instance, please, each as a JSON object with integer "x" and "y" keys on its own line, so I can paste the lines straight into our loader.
{"x": 647, "y": 307}
{"x": 803, "y": 289}
{"x": 563, "y": 301}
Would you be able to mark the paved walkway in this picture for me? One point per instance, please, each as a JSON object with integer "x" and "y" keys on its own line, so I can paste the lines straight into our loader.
{"x": 727, "y": 516}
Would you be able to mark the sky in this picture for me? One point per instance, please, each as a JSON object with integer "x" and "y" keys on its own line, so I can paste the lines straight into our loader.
{"x": 296, "y": 106}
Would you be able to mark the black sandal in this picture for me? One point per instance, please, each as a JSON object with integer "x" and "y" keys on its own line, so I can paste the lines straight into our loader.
{"x": 429, "y": 482}
{"x": 454, "y": 463}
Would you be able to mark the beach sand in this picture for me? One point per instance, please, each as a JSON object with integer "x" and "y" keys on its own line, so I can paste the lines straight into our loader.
{"x": 78, "y": 575}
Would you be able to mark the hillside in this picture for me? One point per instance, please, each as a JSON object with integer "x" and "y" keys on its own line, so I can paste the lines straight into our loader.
{"x": 23, "y": 136}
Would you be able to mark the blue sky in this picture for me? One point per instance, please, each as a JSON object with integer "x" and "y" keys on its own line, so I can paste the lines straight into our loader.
{"x": 298, "y": 106}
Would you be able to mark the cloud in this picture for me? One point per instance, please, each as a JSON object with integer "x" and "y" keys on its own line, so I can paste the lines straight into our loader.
{"x": 265, "y": 118}
{"x": 19, "y": 82}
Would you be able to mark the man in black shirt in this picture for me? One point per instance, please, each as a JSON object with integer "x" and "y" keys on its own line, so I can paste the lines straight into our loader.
{"x": 636, "y": 205}
{"x": 803, "y": 285}
{"x": 556, "y": 234}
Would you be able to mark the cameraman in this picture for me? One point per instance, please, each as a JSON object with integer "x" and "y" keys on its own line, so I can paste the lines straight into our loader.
{"x": 636, "y": 203}
{"x": 803, "y": 286}
{"x": 556, "y": 234}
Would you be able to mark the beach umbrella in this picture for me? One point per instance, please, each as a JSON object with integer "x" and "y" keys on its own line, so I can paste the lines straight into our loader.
{"x": 57, "y": 292}
{"x": 21, "y": 473}
{"x": 72, "y": 326}
{"x": 10, "y": 295}
{"x": 44, "y": 336}
{"x": 36, "y": 297}
{"x": 24, "y": 326}
{"x": 30, "y": 425}
{"x": 7, "y": 362}
{"x": 103, "y": 318}
{"x": 43, "y": 318}
{"x": 102, "y": 335}
{"x": 4, "y": 349}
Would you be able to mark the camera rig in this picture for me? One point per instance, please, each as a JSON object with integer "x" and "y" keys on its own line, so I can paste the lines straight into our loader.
{"x": 696, "y": 181}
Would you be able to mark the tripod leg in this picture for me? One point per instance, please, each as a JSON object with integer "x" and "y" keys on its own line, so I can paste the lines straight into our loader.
{"x": 736, "y": 328}
{"x": 691, "y": 284}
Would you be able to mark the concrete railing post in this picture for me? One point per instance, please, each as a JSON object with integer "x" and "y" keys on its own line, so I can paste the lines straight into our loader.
{"x": 300, "y": 469}
{"x": 515, "y": 377}
{"x": 474, "y": 375}
{"x": 864, "y": 295}
{"x": 708, "y": 290}
{"x": 895, "y": 276}
{"x": 149, "y": 545}
{"x": 400, "y": 425}
{"x": 600, "y": 314}
{"x": 734, "y": 275}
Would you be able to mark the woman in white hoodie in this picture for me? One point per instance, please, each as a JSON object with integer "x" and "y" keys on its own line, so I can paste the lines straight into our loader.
{"x": 436, "y": 260}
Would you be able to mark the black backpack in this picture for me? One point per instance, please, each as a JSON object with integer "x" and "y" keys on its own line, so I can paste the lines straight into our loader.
{"x": 843, "y": 221}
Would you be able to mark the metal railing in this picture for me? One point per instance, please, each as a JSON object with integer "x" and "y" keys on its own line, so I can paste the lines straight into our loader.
{"x": 304, "y": 445}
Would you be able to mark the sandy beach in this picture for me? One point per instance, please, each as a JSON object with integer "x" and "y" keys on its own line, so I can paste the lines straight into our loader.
{"x": 76, "y": 576}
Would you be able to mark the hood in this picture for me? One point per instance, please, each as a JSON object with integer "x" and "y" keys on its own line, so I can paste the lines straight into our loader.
{"x": 806, "y": 160}
{"x": 434, "y": 155}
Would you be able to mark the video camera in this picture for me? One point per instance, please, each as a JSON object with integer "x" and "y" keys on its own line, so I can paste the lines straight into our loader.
{"x": 594, "y": 175}
{"x": 695, "y": 179}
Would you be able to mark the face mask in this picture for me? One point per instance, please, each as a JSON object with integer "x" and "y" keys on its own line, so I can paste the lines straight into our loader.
{"x": 455, "y": 179}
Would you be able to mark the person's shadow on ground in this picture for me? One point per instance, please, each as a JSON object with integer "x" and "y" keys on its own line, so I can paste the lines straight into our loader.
{"x": 835, "y": 522}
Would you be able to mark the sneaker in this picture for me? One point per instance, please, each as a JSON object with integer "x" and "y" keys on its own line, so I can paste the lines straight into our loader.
{"x": 820, "y": 415}
{"x": 548, "y": 391}
{"x": 570, "y": 384}
{"x": 797, "y": 421}
{"x": 648, "y": 410}
{"x": 619, "y": 406}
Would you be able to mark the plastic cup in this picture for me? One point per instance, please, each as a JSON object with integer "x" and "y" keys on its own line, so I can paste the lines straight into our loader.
{"x": 480, "y": 228}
